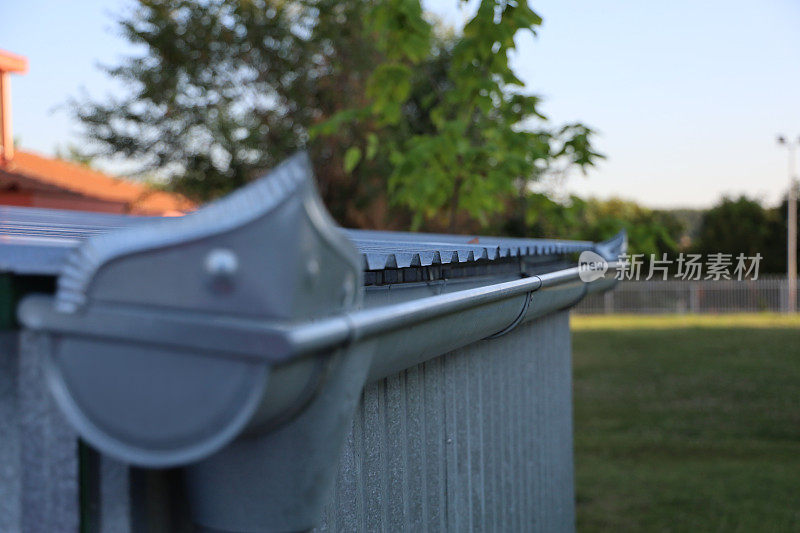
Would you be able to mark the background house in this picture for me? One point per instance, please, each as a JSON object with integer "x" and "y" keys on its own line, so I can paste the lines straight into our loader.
{"x": 33, "y": 180}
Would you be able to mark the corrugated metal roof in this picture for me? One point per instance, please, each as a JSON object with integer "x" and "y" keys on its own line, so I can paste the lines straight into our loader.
{"x": 384, "y": 249}
{"x": 36, "y": 241}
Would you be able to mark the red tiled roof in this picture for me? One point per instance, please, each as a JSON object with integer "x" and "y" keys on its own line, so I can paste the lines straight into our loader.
{"x": 140, "y": 198}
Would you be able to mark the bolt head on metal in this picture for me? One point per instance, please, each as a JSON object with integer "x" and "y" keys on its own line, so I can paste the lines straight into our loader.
{"x": 348, "y": 291}
{"x": 312, "y": 271}
{"x": 221, "y": 262}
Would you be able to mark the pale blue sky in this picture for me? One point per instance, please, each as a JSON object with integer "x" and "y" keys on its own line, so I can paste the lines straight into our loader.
{"x": 687, "y": 95}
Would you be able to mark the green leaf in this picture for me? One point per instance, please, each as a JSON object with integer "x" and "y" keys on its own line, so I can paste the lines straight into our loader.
{"x": 388, "y": 88}
{"x": 351, "y": 158}
{"x": 372, "y": 146}
{"x": 334, "y": 123}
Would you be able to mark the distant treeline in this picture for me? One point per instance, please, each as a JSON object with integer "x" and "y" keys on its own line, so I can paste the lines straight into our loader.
{"x": 732, "y": 226}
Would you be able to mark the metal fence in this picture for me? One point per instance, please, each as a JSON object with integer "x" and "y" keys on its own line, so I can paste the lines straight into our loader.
{"x": 768, "y": 293}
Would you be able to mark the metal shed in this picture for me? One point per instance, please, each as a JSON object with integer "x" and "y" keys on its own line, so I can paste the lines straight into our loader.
{"x": 253, "y": 367}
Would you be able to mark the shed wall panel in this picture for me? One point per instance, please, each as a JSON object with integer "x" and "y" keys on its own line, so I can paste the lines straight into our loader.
{"x": 479, "y": 439}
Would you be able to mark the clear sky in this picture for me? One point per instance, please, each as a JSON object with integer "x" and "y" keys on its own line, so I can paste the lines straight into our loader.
{"x": 687, "y": 95}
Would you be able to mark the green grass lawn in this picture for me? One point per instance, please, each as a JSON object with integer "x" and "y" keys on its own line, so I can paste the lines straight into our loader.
{"x": 687, "y": 423}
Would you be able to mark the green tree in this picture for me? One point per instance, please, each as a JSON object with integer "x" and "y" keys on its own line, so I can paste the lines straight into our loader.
{"x": 487, "y": 140}
{"x": 225, "y": 89}
{"x": 650, "y": 232}
{"x": 743, "y": 225}
{"x": 388, "y": 105}
{"x": 732, "y": 226}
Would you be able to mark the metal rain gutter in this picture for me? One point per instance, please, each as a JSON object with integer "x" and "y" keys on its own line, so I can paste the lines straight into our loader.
{"x": 183, "y": 343}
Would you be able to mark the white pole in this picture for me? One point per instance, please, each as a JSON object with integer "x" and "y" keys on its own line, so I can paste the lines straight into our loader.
{"x": 791, "y": 230}
{"x": 791, "y": 251}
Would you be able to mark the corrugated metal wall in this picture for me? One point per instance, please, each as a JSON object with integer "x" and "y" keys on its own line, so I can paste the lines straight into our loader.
{"x": 479, "y": 439}
{"x": 38, "y": 450}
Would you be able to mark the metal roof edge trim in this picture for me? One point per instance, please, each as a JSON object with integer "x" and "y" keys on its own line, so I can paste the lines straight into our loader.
{"x": 242, "y": 206}
{"x": 390, "y": 250}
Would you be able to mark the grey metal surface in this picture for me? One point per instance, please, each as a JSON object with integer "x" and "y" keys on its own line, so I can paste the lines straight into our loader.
{"x": 39, "y": 459}
{"x": 279, "y": 479}
{"x": 37, "y": 241}
{"x": 10, "y": 466}
{"x": 267, "y": 230}
{"x": 208, "y": 333}
{"x": 38, "y": 450}
{"x": 113, "y": 506}
{"x": 232, "y": 343}
{"x": 479, "y": 439}
{"x": 162, "y": 402}
{"x": 193, "y": 301}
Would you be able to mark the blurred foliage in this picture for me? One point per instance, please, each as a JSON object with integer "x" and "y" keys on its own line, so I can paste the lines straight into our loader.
{"x": 485, "y": 140}
{"x": 743, "y": 225}
{"x": 223, "y": 90}
{"x": 649, "y": 231}
{"x": 390, "y": 106}
{"x": 732, "y": 226}
{"x": 73, "y": 152}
